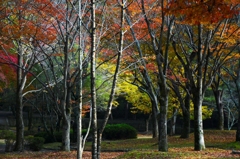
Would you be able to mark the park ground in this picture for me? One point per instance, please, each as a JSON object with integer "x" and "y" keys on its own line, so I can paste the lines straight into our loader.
{"x": 220, "y": 144}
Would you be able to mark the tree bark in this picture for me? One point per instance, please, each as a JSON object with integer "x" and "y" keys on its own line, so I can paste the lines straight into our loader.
{"x": 199, "y": 143}
{"x": 186, "y": 118}
{"x": 21, "y": 79}
{"x": 162, "y": 120}
{"x": 198, "y": 95}
{"x": 93, "y": 82}
{"x": 115, "y": 78}
{"x": 173, "y": 121}
{"x": 218, "y": 98}
{"x": 154, "y": 120}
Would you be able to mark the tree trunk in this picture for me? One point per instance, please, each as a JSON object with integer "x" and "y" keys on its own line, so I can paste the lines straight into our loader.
{"x": 173, "y": 121}
{"x": 66, "y": 133}
{"x": 154, "y": 120}
{"x": 21, "y": 79}
{"x": 218, "y": 98}
{"x": 114, "y": 82}
{"x": 186, "y": 118}
{"x": 162, "y": 121}
{"x": 198, "y": 125}
{"x": 66, "y": 120}
{"x": 93, "y": 82}
{"x": 238, "y": 124}
{"x": 19, "y": 124}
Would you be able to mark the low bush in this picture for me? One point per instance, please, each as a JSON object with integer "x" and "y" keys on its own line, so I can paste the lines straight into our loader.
{"x": 119, "y": 131}
{"x": 48, "y": 138}
{"x": 57, "y": 136}
{"x": 34, "y": 143}
{"x": 10, "y": 139}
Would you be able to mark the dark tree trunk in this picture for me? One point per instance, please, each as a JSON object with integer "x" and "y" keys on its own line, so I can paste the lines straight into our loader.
{"x": 162, "y": 122}
{"x": 218, "y": 98}
{"x": 66, "y": 120}
{"x": 186, "y": 118}
{"x": 173, "y": 122}
{"x": 238, "y": 127}
{"x": 154, "y": 120}
{"x": 19, "y": 124}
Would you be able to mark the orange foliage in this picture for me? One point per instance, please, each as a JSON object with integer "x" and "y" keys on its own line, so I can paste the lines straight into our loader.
{"x": 203, "y": 11}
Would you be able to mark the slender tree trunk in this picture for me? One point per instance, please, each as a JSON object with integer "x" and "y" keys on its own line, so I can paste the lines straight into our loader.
{"x": 238, "y": 125}
{"x": 186, "y": 118}
{"x": 173, "y": 121}
{"x": 218, "y": 98}
{"x": 93, "y": 85}
{"x": 21, "y": 79}
{"x": 114, "y": 82}
{"x": 66, "y": 121}
{"x": 19, "y": 124}
{"x": 237, "y": 82}
{"x": 154, "y": 120}
{"x": 80, "y": 139}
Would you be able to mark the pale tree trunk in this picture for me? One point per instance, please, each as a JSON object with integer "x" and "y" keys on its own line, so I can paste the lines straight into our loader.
{"x": 115, "y": 77}
{"x": 21, "y": 79}
{"x": 93, "y": 82}
{"x": 198, "y": 96}
{"x": 80, "y": 140}
{"x": 199, "y": 143}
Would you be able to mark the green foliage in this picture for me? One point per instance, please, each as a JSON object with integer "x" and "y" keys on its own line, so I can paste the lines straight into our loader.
{"x": 119, "y": 131}
{"x": 57, "y": 136}
{"x": 35, "y": 143}
{"x": 48, "y": 138}
{"x": 10, "y": 139}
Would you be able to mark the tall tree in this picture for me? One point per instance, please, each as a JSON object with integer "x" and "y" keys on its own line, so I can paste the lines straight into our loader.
{"x": 203, "y": 43}
{"x": 21, "y": 25}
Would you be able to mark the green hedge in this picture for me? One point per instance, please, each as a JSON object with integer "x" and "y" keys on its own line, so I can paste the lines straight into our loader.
{"x": 34, "y": 143}
{"x": 119, "y": 131}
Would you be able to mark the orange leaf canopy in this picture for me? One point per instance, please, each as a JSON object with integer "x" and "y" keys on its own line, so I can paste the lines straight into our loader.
{"x": 203, "y": 11}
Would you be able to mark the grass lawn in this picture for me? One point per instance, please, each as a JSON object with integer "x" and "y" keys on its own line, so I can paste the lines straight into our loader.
{"x": 219, "y": 145}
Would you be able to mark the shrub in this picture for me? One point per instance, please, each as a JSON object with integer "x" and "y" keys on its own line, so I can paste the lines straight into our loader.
{"x": 35, "y": 143}
{"x": 10, "y": 139}
{"x": 58, "y": 136}
{"x": 119, "y": 131}
{"x": 48, "y": 138}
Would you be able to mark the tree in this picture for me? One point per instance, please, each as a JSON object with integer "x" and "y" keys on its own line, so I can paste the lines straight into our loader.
{"x": 19, "y": 29}
{"x": 202, "y": 46}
